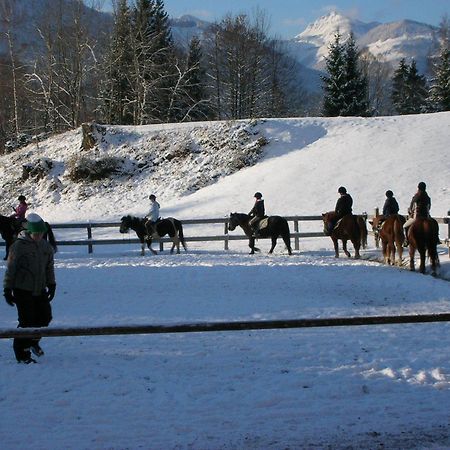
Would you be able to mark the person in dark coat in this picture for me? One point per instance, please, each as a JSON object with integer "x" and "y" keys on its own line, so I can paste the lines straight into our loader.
{"x": 29, "y": 283}
{"x": 343, "y": 207}
{"x": 419, "y": 207}
{"x": 390, "y": 207}
{"x": 344, "y": 204}
{"x": 256, "y": 213}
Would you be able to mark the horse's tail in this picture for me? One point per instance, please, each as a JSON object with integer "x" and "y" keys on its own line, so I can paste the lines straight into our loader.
{"x": 286, "y": 235}
{"x": 51, "y": 237}
{"x": 362, "y": 231}
{"x": 179, "y": 227}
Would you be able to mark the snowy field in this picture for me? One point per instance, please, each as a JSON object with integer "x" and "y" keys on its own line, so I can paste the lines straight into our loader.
{"x": 345, "y": 387}
{"x": 364, "y": 387}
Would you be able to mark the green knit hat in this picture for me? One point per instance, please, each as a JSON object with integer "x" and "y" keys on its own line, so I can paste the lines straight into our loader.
{"x": 35, "y": 224}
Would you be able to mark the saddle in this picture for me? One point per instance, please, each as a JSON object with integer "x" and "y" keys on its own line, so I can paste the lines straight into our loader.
{"x": 263, "y": 223}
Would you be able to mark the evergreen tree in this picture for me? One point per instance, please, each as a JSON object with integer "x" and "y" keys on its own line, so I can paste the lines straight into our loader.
{"x": 440, "y": 90}
{"x": 356, "y": 85}
{"x": 409, "y": 89}
{"x": 417, "y": 90}
{"x": 399, "y": 88}
{"x": 334, "y": 82}
{"x": 195, "y": 107}
{"x": 116, "y": 89}
{"x": 345, "y": 87}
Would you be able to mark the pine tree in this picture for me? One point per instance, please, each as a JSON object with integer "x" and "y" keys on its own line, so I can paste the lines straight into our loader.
{"x": 195, "y": 107}
{"x": 417, "y": 92}
{"x": 116, "y": 90}
{"x": 356, "y": 86}
{"x": 440, "y": 90}
{"x": 409, "y": 89}
{"x": 399, "y": 88}
{"x": 334, "y": 82}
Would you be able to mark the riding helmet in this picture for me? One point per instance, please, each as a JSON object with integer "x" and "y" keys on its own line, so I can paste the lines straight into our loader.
{"x": 342, "y": 190}
{"x": 389, "y": 194}
{"x": 152, "y": 197}
{"x": 258, "y": 195}
{"x": 21, "y": 198}
{"x": 422, "y": 186}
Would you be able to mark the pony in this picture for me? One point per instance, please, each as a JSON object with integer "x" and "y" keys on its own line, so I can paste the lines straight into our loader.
{"x": 423, "y": 236}
{"x": 170, "y": 226}
{"x": 350, "y": 227}
{"x": 276, "y": 226}
{"x": 391, "y": 234}
{"x": 11, "y": 227}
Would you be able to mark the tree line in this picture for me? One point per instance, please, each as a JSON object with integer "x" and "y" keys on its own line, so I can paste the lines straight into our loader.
{"x": 132, "y": 72}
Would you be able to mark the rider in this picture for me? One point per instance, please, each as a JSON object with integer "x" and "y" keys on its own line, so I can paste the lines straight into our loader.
{"x": 153, "y": 214}
{"x": 390, "y": 207}
{"x": 343, "y": 207}
{"x": 21, "y": 209}
{"x": 256, "y": 213}
{"x": 420, "y": 207}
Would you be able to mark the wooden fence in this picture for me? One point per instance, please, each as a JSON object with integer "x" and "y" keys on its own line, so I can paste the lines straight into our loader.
{"x": 226, "y": 237}
{"x": 222, "y": 326}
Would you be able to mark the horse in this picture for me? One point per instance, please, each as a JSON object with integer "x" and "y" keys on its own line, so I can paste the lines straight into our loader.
{"x": 276, "y": 226}
{"x": 11, "y": 227}
{"x": 350, "y": 227}
{"x": 170, "y": 226}
{"x": 423, "y": 236}
{"x": 392, "y": 236}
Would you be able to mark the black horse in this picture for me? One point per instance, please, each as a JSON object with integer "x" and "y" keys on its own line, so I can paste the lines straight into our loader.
{"x": 11, "y": 227}
{"x": 169, "y": 226}
{"x": 276, "y": 226}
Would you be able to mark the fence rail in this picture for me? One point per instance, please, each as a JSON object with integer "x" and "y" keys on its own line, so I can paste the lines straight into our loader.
{"x": 201, "y": 327}
{"x": 296, "y": 235}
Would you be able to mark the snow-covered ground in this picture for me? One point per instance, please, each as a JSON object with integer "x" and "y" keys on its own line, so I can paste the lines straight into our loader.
{"x": 381, "y": 386}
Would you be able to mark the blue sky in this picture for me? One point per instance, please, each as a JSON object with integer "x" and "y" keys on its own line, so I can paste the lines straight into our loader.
{"x": 290, "y": 17}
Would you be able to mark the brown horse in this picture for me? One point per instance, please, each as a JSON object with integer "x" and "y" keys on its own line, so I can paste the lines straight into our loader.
{"x": 423, "y": 236}
{"x": 350, "y": 228}
{"x": 391, "y": 235}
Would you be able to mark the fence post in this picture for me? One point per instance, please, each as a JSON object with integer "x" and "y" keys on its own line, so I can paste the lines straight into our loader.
{"x": 375, "y": 235}
{"x": 296, "y": 241}
{"x": 448, "y": 232}
{"x": 89, "y": 234}
{"x": 225, "y": 231}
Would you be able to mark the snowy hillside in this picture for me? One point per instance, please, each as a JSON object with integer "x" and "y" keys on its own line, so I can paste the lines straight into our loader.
{"x": 297, "y": 164}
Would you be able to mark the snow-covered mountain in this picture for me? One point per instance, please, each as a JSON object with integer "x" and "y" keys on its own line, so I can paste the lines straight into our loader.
{"x": 391, "y": 41}
{"x": 186, "y": 27}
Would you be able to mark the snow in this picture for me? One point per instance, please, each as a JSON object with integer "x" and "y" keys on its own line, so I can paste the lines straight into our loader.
{"x": 344, "y": 387}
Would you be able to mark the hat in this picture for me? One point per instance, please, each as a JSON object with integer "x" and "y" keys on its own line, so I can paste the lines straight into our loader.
{"x": 35, "y": 224}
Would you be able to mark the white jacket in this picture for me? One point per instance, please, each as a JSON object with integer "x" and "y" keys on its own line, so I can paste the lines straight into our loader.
{"x": 153, "y": 213}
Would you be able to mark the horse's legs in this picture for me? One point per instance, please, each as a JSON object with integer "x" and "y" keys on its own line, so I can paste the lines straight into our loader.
{"x": 149, "y": 245}
{"x": 384, "y": 249}
{"x": 336, "y": 247}
{"x": 274, "y": 243}
{"x": 422, "y": 253}
{"x": 356, "y": 245}
{"x": 344, "y": 248}
{"x": 412, "y": 250}
{"x": 251, "y": 244}
{"x": 142, "y": 248}
{"x": 176, "y": 242}
{"x": 399, "y": 246}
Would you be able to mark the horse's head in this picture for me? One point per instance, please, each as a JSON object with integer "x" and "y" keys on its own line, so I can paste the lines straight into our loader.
{"x": 328, "y": 218}
{"x": 236, "y": 219}
{"x": 125, "y": 224}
